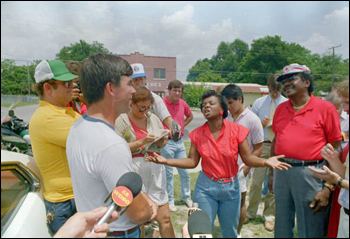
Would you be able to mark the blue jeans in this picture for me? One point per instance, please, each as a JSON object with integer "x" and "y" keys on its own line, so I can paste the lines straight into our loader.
{"x": 176, "y": 150}
{"x": 62, "y": 212}
{"x": 222, "y": 199}
{"x": 135, "y": 234}
{"x": 295, "y": 189}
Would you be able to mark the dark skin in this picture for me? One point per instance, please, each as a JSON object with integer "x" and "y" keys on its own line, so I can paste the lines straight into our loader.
{"x": 211, "y": 111}
{"x": 297, "y": 92}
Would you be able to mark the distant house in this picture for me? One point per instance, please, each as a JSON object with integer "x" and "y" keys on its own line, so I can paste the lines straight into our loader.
{"x": 251, "y": 91}
{"x": 160, "y": 70}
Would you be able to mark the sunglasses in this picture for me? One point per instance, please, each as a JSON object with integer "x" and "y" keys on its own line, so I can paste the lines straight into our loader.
{"x": 289, "y": 79}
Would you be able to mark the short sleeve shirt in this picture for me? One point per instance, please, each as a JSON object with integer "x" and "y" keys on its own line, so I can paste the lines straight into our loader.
{"x": 219, "y": 158}
{"x": 48, "y": 129}
{"x": 301, "y": 135}
{"x": 178, "y": 111}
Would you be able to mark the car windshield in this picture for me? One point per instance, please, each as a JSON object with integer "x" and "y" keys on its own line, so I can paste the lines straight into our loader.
{"x": 14, "y": 188}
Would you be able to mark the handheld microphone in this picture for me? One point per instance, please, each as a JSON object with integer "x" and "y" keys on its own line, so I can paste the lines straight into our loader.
{"x": 199, "y": 225}
{"x": 128, "y": 187}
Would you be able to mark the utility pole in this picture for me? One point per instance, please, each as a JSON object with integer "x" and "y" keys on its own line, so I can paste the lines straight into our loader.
{"x": 333, "y": 65}
{"x": 28, "y": 79}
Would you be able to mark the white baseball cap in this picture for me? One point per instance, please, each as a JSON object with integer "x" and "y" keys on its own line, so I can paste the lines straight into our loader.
{"x": 138, "y": 70}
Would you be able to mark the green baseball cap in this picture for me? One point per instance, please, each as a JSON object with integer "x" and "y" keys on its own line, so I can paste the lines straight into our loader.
{"x": 54, "y": 69}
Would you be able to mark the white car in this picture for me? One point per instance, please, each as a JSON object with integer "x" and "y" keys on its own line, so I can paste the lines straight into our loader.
{"x": 23, "y": 211}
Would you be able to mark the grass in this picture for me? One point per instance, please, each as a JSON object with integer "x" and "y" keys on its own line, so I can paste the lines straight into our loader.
{"x": 18, "y": 105}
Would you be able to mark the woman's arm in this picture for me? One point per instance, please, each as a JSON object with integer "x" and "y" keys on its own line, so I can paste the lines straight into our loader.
{"x": 191, "y": 162}
{"x": 253, "y": 161}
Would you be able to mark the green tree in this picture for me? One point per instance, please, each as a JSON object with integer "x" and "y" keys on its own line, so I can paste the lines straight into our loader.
{"x": 14, "y": 79}
{"x": 80, "y": 50}
{"x": 193, "y": 94}
{"x": 199, "y": 67}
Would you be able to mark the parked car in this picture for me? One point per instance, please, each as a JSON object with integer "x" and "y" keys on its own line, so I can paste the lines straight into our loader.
{"x": 22, "y": 203}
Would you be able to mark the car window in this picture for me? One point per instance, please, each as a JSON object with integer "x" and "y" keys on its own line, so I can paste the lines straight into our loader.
{"x": 14, "y": 188}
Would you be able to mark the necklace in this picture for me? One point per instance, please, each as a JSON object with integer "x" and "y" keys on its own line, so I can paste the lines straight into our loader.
{"x": 300, "y": 107}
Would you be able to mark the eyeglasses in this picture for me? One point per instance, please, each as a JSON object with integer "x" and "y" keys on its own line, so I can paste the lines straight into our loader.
{"x": 143, "y": 108}
{"x": 275, "y": 91}
{"x": 65, "y": 83}
{"x": 292, "y": 78}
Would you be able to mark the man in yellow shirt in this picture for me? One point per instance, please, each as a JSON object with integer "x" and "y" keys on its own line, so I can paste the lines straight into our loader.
{"x": 48, "y": 129}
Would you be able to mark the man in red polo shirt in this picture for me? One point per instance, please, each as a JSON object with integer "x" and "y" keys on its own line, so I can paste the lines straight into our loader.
{"x": 302, "y": 126}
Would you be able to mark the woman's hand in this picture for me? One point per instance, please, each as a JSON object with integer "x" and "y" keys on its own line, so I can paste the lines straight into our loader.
{"x": 276, "y": 164}
{"x": 148, "y": 139}
{"x": 330, "y": 176}
{"x": 157, "y": 159}
{"x": 161, "y": 143}
{"x": 328, "y": 153}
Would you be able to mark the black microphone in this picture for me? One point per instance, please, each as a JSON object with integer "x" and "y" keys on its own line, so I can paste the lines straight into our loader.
{"x": 128, "y": 187}
{"x": 199, "y": 225}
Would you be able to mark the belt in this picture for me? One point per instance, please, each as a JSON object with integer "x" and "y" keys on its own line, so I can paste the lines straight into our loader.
{"x": 346, "y": 211}
{"x": 267, "y": 142}
{"x": 219, "y": 180}
{"x": 123, "y": 233}
{"x": 301, "y": 163}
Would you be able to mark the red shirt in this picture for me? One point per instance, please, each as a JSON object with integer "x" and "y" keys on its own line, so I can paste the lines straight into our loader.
{"x": 178, "y": 111}
{"x": 301, "y": 135}
{"x": 219, "y": 158}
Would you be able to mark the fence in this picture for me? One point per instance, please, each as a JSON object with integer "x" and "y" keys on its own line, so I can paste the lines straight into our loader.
{"x": 5, "y": 99}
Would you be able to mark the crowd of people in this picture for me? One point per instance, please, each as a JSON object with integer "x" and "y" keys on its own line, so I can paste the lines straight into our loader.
{"x": 97, "y": 121}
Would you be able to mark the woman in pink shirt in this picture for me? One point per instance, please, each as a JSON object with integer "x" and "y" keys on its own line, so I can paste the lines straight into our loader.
{"x": 218, "y": 142}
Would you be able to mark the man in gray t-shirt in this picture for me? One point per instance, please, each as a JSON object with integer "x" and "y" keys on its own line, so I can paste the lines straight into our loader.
{"x": 97, "y": 156}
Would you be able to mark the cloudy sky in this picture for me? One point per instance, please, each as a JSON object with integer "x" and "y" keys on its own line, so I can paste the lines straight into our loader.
{"x": 186, "y": 30}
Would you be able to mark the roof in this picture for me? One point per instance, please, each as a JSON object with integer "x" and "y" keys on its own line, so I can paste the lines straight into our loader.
{"x": 246, "y": 87}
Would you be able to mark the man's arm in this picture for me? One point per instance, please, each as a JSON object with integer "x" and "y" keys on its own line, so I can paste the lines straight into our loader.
{"x": 188, "y": 120}
{"x": 140, "y": 211}
{"x": 168, "y": 121}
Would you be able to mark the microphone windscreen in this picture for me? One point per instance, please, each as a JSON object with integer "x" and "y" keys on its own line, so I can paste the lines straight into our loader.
{"x": 131, "y": 180}
{"x": 199, "y": 223}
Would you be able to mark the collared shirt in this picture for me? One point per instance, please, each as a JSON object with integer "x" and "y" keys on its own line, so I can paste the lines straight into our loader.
{"x": 256, "y": 134}
{"x": 178, "y": 111}
{"x": 219, "y": 158}
{"x": 48, "y": 129}
{"x": 301, "y": 135}
{"x": 261, "y": 107}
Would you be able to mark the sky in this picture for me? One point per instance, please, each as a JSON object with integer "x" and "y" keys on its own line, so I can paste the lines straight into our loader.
{"x": 188, "y": 31}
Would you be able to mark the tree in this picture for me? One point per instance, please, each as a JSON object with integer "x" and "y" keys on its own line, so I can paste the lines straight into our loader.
{"x": 80, "y": 50}
{"x": 14, "y": 79}
{"x": 193, "y": 94}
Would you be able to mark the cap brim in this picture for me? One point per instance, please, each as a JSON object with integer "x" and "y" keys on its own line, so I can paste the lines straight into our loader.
{"x": 65, "y": 77}
{"x": 280, "y": 78}
{"x": 138, "y": 75}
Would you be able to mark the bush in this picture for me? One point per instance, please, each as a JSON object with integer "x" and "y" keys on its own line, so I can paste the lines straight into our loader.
{"x": 193, "y": 94}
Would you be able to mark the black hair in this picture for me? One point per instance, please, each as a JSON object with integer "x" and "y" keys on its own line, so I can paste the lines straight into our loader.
{"x": 305, "y": 76}
{"x": 233, "y": 91}
{"x": 222, "y": 101}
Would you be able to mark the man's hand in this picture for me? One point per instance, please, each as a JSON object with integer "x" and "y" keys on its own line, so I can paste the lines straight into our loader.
{"x": 330, "y": 176}
{"x": 265, "y": 122}
{"x": 81, "y": 223}
{"x": 75, "y": 93}
{"x": 321, "y": 200}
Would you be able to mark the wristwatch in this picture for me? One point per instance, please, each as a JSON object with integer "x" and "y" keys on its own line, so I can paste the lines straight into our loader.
{"x": 330, "y": 186}
{"x": 340, "y": 182}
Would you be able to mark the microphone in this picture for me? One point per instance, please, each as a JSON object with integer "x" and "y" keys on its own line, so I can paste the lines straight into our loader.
{"x": 199, "y": 225}
{"x": 128, "y": 187}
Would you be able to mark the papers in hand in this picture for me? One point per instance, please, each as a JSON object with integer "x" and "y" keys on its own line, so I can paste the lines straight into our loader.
{"x": 153, "y": 144}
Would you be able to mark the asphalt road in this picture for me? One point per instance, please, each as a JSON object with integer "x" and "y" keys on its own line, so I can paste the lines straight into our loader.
{"x": 26, "y": 113}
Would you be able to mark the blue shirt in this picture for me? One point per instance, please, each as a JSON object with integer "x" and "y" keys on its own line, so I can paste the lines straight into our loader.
{"x": 262, "y": 106}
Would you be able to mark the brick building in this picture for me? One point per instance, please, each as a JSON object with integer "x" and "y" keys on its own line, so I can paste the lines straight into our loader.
{"x": 160, "y": 70}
